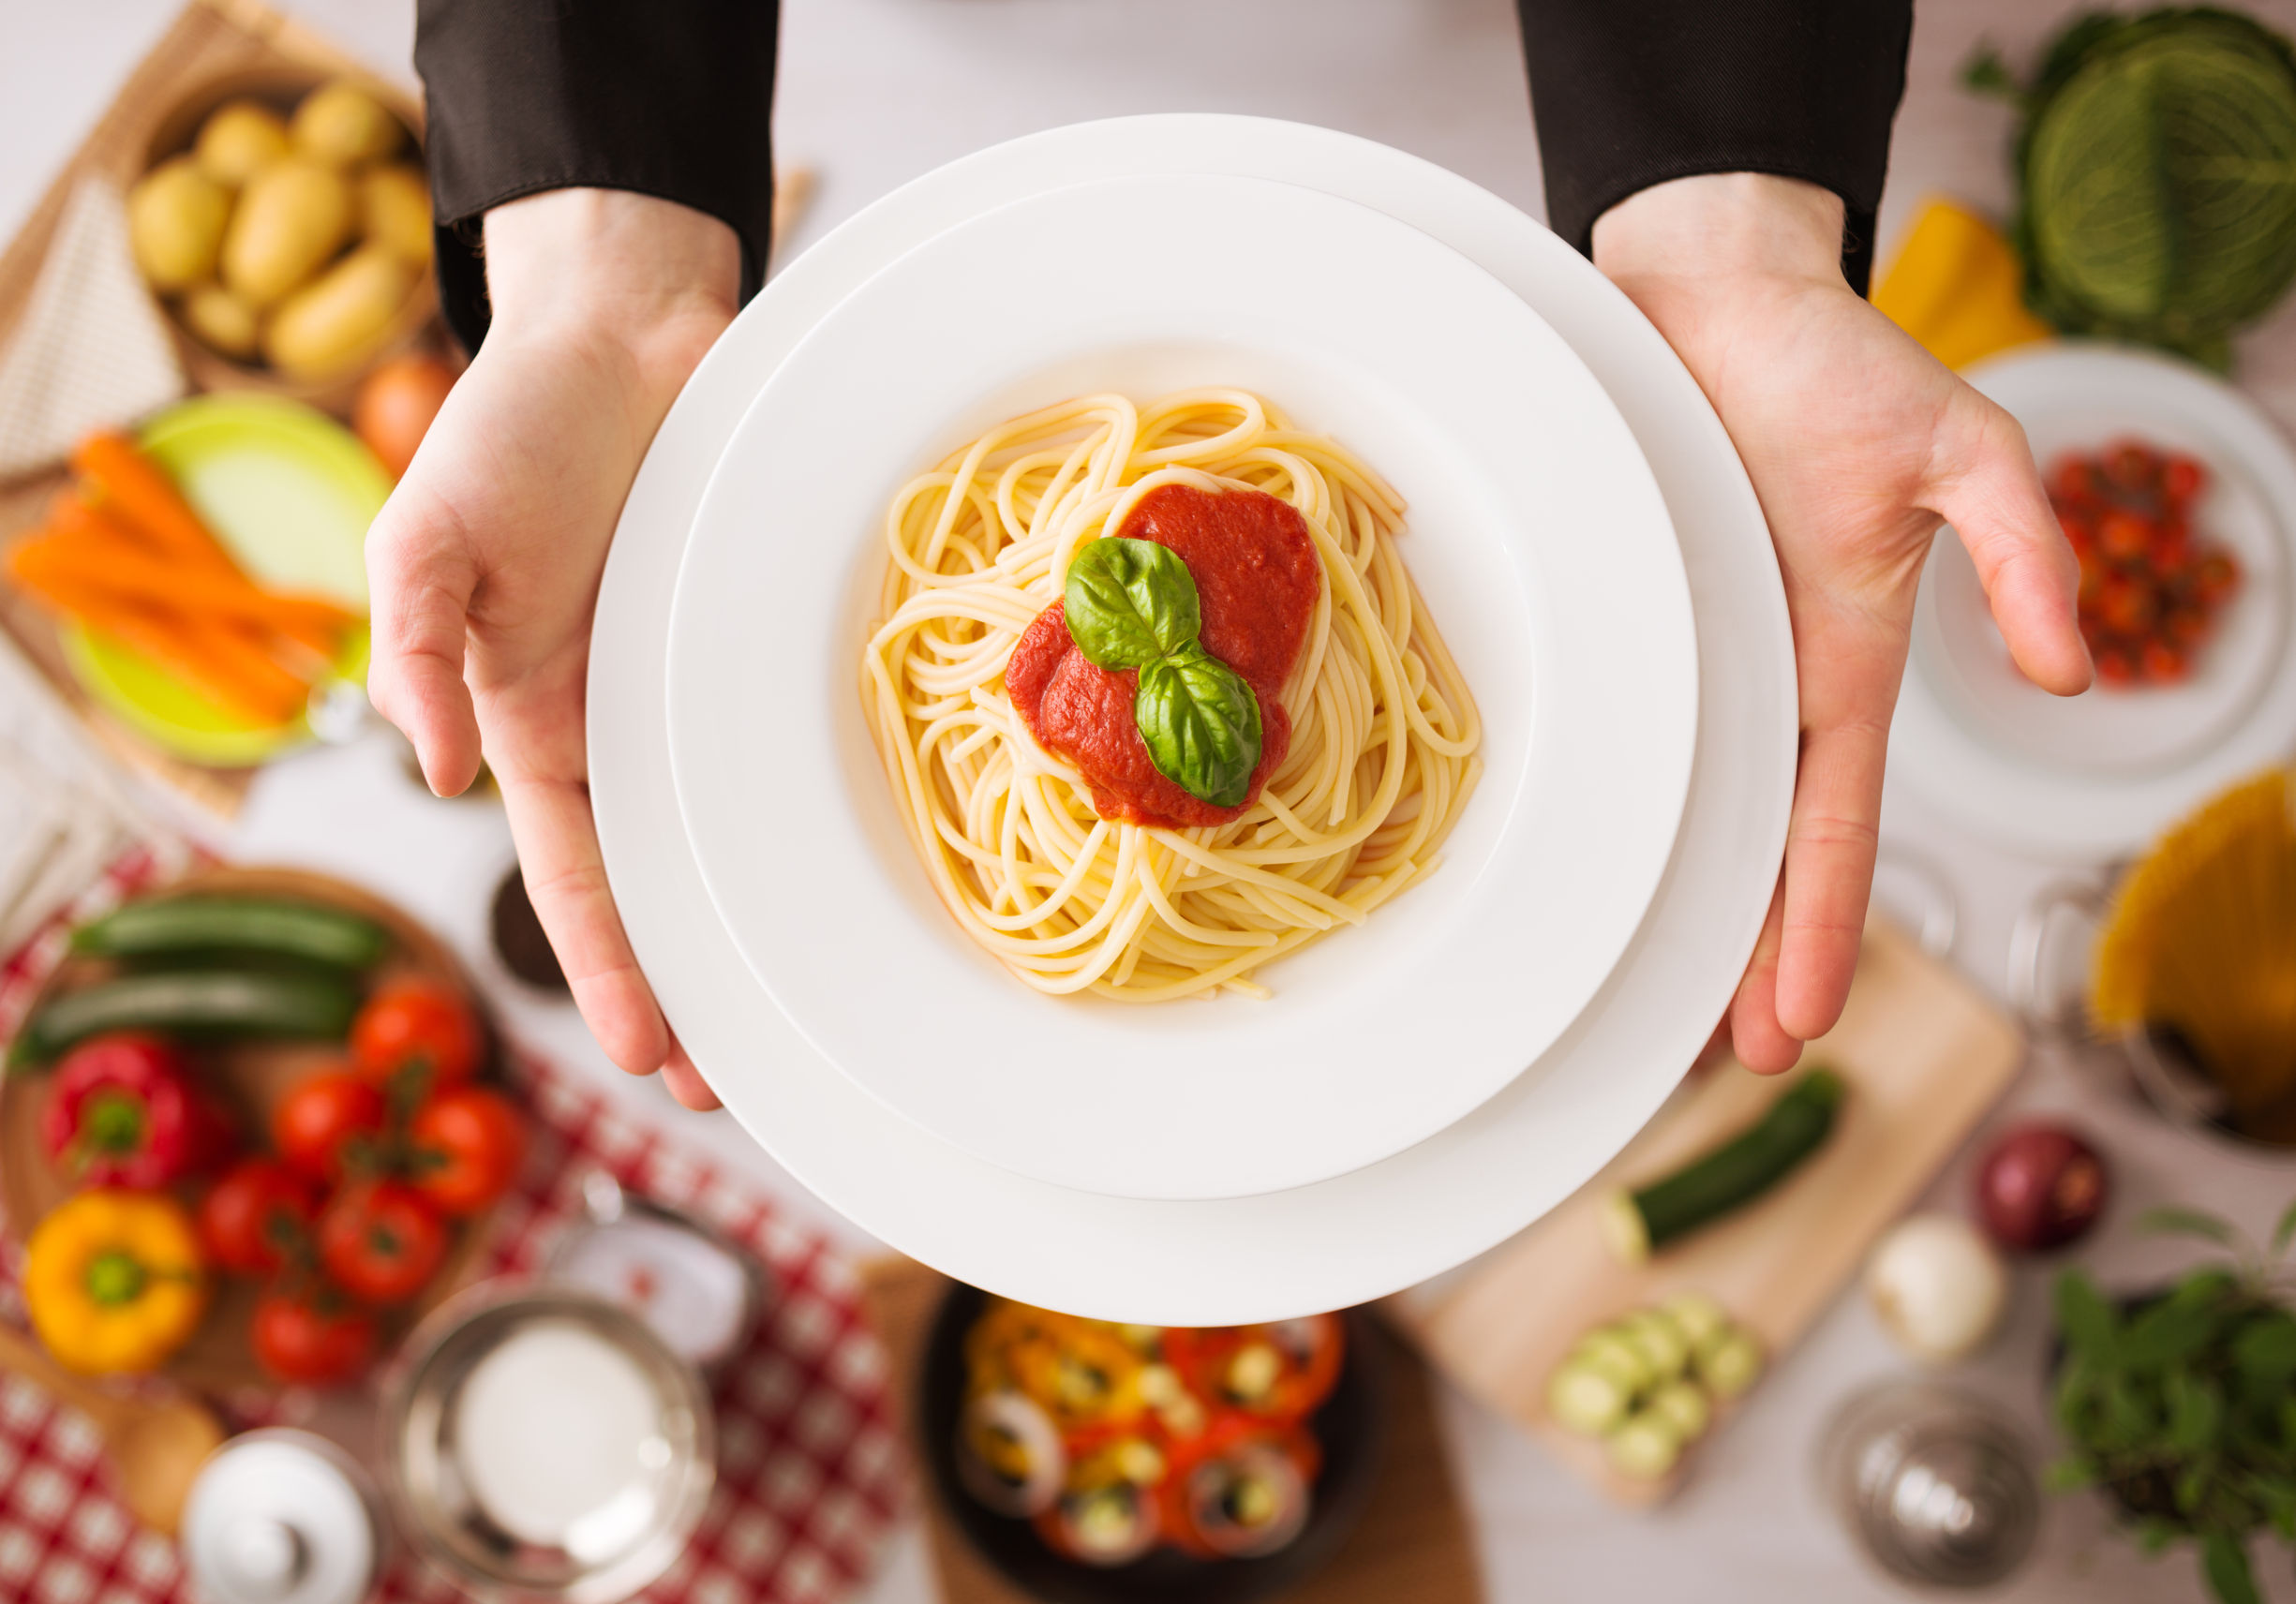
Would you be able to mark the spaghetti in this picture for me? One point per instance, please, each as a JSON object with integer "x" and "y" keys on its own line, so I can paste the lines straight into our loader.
{"x": 1383, "y": 731}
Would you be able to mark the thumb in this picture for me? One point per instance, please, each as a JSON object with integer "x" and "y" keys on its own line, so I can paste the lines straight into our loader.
{"x": 1989, "y": 490}
{"x": 419, "y": 580}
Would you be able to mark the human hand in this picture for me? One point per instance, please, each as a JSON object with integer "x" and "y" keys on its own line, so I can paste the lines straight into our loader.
{"x": 483, "y": 566}
{"x": 1859, "y": 443}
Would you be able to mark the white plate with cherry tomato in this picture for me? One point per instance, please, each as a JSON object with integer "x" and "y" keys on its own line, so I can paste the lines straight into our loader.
{"x": 2178, "y": 497}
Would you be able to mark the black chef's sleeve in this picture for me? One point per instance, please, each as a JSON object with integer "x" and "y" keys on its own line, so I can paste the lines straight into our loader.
{"x": 668, "y": 98}
{"x": 1631, "y": 93}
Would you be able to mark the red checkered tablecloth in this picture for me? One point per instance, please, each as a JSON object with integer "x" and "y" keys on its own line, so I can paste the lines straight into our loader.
{"x": 810, "y": 1471}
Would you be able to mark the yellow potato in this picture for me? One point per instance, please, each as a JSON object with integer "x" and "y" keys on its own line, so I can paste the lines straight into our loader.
{"x": 175, "y": 220}
{"x": 343, "y": 124}
{"x": 221, "y": 321}
{"x": 292, "y": 217}
{"x": 239, "y": 138}
{"x": 394, "y": 211}
{"x": 333, "y": 323}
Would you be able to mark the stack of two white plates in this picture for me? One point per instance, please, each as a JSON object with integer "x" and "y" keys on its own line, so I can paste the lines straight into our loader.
{"x": 1417, "y": 1088}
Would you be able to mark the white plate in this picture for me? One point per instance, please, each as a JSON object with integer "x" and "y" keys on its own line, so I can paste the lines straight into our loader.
{"x": 1508, "y": 453}
{"x": 1340, "y": 1241}
{"x": 2091, "y": 777}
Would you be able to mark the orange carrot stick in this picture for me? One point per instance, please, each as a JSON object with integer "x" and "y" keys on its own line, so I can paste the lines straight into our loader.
{"x": 143, "y": 494}
{"x": 210, "y": 660}
{"x": 88, "y": 542}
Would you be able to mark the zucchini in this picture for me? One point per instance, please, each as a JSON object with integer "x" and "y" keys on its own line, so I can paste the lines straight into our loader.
{"x": 1605, "y": 1350}
{"x": 194, "y": 1003}
{"x": 1659, "y": 1340}
{"x": 1638, "y": 1222}
{"x": 1683, "y": 1406}
{"x": 1697, "y": 1317}
{"x": 1730, "y": 1365}
{"x": 1586, "y": 1399}
{"x": 196, "y": 926}
{"x": 1645, "y": 1448}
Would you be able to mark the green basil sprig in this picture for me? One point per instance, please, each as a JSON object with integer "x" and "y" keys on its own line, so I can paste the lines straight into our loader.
{"x": 1133, "y": 604}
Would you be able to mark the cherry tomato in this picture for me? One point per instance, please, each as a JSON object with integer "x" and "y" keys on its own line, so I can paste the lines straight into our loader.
{"x": 2078, "y": 533}
{"x": 2163, "y": 664}
{"x": 2182, "y": 478}
{"x": 2188, "y": 626}
{"x": 416, "y": 1029}
{"x": 2124, "y": 536}
{"x": 252, "y": 1219}
{"x": 2126, "y": 606}
{"x": 2071, "y": 482}
{"x": 314, "y": 1339}
{"x": 381, "y": 1241}
{"x": 2218, "y": 574}
{"x": 324, "y": 1118}
{"x": 2114, "y": 668}
{"x": 469, "y": 1143}
{"x": 2131, "y": 466}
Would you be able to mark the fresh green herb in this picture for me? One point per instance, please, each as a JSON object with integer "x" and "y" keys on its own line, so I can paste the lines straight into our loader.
{"x": 2180, "y": 1405}
{"x": 1201, "y": 724}
{"x": 1133, "y": 604}
{"x": 2157, "y": 166}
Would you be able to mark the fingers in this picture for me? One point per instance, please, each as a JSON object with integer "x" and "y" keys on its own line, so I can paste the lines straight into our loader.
{"x": 419, "y": 580}
{"x": 1990, "y": 492}
{"x": 685, "y": 1081}
{"x": 566, "y": 881}
{"x": 1761, "y": 1044}
{"x": 1849, "y": 670}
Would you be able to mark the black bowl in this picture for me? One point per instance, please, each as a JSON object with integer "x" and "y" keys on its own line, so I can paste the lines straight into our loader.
{"x": 1351, "y": 1426}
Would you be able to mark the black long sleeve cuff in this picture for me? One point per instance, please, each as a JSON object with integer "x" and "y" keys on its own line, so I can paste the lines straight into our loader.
{"x": 1631, "y": 93}
{"x": 667, "y": 97}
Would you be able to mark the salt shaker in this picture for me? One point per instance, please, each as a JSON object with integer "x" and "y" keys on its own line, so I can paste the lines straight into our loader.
{"x": 282, "y": 1517}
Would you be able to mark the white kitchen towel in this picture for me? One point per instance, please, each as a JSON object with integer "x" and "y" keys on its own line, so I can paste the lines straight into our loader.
{"x": 92, "y": 349}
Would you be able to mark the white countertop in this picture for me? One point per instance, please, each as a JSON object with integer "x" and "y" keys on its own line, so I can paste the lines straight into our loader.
{"x": 874, "y": 92}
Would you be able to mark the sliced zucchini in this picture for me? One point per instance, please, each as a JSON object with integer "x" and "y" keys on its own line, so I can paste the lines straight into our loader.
{"x": 1587, "y": 1400}
{"x": 1730, "y": 1365}
{"x": 1645, "y": 1448}
{"x": 1659, "y": 1340}
{"x": 1686, "y": 1408}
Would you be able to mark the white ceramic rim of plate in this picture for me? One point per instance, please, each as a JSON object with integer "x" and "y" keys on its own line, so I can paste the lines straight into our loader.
{"x": 1340, "y": 1242}
{"x": 1509, "y": 452}
{"x": 2070, "y": 816}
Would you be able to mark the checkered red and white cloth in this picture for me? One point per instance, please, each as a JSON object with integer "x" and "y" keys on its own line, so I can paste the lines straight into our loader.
{"x": 810, "y": 1471}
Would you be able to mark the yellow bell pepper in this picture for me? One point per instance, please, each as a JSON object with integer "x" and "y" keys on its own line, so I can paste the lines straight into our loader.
{"x": 1957, "y": 287}
{"x": 114, "y": 1281}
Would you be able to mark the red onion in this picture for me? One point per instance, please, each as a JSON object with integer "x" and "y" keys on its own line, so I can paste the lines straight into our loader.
{"x": 2040, "y": 1188}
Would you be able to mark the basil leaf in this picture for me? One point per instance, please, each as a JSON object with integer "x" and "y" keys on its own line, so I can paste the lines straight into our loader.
{"x": 1201, "y": 724}
{"x": 1130, "y": 602}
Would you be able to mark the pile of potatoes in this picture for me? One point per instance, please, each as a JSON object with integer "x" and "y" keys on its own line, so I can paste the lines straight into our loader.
{"x": 296, "y": 240}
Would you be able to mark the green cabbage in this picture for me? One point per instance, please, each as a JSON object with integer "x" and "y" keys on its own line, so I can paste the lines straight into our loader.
{"x": 2157, "y": 166}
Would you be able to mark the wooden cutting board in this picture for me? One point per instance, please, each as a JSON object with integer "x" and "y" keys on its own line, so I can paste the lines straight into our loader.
{"x": 1925, "y": 1055}
{"x": 1411, "y": 1544}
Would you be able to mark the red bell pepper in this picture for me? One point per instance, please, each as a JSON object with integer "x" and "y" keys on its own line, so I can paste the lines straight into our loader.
{"x": 1298, "y": 1364}
{"x": 123, "y": 1110}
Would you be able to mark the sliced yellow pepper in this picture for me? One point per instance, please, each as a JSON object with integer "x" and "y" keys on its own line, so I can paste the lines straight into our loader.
{"x": 113, "y": 1280}
{"x": 1957, "y": 287}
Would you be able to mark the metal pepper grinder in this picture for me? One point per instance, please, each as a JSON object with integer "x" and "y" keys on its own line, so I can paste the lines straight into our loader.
{"x": 1932, "y": 1483}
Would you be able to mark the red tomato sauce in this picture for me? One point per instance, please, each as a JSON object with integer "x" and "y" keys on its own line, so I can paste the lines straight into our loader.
{"x": 1257, "y": 578}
